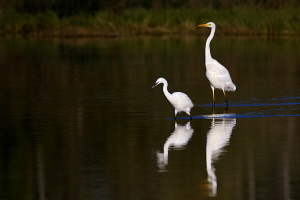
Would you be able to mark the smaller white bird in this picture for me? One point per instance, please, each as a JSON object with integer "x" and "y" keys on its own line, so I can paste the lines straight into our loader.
{"x": 180, "y": 101}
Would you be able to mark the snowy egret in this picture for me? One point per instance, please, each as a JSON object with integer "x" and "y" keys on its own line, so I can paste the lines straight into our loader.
{"x": 180, "y": 101}
{"x": 216, "y": 73}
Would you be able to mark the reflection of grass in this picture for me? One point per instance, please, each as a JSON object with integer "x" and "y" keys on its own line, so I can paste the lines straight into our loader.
{"x": 153, "y": 22}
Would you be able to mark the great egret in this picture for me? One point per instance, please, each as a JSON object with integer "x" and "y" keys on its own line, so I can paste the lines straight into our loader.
{"x": 216, "y": 73}
{"x": 180, "y": 101}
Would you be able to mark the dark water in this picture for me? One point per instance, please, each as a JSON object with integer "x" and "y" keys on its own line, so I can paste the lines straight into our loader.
{"x": 78, "y": 122}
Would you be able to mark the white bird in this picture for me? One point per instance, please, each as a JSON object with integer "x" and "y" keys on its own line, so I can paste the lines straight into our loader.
{"x": 180, "y": 101}
{"x": 216, "y": 73}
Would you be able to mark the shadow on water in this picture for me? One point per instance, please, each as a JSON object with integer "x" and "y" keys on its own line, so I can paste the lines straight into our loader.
{"x": 217, "y": 138}
{"x": 178, "y": 139}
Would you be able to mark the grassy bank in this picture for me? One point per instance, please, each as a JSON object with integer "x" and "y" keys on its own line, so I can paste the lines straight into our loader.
{"x": 246, "y": 21}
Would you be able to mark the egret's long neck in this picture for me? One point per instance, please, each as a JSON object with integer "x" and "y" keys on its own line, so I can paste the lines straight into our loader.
{"x": 166, "y": 92}
{"x": 207, "y": 46}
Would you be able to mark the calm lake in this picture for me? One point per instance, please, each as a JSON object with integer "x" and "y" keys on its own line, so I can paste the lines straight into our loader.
{"x": 78, "y": 120}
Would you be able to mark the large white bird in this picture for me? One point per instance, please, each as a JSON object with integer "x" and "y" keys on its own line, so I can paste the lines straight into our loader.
{"x": 180, "y": 101}
{"x": 216, "y": 73}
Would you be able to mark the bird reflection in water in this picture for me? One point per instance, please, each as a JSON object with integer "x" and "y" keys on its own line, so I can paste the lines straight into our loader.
{"x": 178, "y": 139}
{"x": 217, "y": 138}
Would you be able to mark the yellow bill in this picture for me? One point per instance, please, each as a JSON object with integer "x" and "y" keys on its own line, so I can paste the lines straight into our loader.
{"x": 203, "y": 25}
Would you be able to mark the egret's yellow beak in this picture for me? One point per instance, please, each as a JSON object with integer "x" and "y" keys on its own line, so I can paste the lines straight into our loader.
{"x": 203, "y": 25}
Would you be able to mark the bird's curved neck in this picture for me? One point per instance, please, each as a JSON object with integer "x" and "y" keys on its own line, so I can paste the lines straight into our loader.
{"x": 207, "y": 46}
{"x": 165, "y": 90}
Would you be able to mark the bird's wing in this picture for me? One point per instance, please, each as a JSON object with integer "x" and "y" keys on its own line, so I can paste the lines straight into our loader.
{"x": 216, "y": 68}
{"x": 219, "y": 76}
{"x": 181, "y": 98}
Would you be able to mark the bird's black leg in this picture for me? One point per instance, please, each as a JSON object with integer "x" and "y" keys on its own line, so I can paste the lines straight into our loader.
{"x": 226, "y": 109}
{"x": 213, "y": 97}
{"x": 226, "y": 101}
{"x": 213, "y": 104}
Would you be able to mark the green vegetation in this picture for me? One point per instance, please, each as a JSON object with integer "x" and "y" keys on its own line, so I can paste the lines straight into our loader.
{"x": 141, "y": 21}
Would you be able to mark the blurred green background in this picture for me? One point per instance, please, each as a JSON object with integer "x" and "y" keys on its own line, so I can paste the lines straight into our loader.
{"x": 86, "y": 18}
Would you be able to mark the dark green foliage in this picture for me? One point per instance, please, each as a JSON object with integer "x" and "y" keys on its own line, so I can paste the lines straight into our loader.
{"x": 65, "y": 8}
{"x": 156, "y": 17}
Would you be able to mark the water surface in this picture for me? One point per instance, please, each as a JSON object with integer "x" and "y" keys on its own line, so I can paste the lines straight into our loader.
{"x": 78, "y": 121}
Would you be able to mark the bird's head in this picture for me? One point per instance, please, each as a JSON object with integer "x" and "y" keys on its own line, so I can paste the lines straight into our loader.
{"x": 158, "y": 81}
{"x": 209, "y": 24}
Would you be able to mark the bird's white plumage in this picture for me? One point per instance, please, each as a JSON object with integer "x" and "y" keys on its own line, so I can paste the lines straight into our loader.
{"x": 216, "y": 73}
{"x": 219, "y": 76}
{"x": 180, "y": 101}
